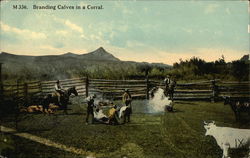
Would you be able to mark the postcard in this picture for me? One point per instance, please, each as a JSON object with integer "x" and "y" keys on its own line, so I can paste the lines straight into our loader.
{"x": 125, "y": 79}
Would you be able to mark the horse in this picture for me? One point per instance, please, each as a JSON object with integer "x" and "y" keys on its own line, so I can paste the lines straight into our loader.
{"x": 64, "y": 99}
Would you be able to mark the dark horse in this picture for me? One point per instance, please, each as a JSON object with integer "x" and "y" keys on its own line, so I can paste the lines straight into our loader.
{"x": 238, "y": 106}
{"x": 64, "y": 99}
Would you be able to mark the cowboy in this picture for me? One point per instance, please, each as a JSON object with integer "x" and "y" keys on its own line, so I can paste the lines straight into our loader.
{"x": 127, "y": 99}
{"x": 172, "y": 86}
{"x": 59, "y": 91}
{"x": 167, "y": 82}
{"x": 90, "y": 109}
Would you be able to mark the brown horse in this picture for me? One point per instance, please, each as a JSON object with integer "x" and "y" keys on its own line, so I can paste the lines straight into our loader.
{"x": 64, "y": 99}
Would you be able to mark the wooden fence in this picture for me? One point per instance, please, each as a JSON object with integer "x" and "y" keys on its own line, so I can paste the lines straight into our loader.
{"x": 113, "y": 89}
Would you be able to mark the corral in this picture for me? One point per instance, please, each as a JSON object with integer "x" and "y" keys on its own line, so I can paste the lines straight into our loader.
{"x": 113, "y": 89}
{"x": 177, "y": 134}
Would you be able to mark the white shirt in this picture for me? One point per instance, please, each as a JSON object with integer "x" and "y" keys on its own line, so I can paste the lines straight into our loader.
{"x": 58, "y": 87}
{"x": 167, "y": 80}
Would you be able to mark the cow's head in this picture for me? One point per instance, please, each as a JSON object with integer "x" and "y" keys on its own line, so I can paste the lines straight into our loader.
{"x": 209, "y": 128}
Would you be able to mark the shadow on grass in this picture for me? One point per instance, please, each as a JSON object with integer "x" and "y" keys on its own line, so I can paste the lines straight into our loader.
{"x": 186, "y": 103}
{"x": 32, "y": 130}
{"x": 76, "y": 113}
{"x": 177, "y": 111}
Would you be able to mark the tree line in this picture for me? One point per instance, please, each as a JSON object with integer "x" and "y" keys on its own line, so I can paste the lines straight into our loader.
{"x": 192, "y": 69}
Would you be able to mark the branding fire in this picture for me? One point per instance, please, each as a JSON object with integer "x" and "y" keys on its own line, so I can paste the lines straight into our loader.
{"x": 159, "y": 102}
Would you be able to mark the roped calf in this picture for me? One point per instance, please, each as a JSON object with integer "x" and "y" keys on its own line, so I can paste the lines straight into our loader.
{"x": 227, "y": 137}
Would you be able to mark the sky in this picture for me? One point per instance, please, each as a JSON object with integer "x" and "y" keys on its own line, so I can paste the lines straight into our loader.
{"x": 143, "y": 31}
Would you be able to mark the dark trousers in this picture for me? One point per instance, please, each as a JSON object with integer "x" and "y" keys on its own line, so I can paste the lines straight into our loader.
{"x": 127, "y": 114}
{"x": 90, "y": 111}
{"x": 171, "y": 94}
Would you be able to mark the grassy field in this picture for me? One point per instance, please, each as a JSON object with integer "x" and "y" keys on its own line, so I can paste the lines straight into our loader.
{"x": 176, "y": 135}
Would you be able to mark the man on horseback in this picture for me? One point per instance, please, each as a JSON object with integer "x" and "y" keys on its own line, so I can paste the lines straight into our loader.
{"x": 59, "y": 91}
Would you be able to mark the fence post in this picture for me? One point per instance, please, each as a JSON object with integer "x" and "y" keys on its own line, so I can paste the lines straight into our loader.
{"x": 214, "y": 91}
{"x": 87, "y": 86}
{"x": 1, "y": 83}
{"x": 17, "y": 104}
{"x": 40, "y": 87}
{"x": 26, "y": 92}
{"x": 147, "y": 82}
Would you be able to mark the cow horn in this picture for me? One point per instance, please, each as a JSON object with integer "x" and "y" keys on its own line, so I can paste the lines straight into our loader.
{"x": 205, "y": 122}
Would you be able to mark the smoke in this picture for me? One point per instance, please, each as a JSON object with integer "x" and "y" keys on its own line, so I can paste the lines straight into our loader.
{"x": 159, "y": 102}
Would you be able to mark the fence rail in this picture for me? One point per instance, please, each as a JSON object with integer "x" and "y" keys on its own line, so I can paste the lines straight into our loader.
{"x": 113, "y": 89}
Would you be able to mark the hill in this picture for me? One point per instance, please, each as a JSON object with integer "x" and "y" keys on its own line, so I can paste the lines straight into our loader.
{"x": 97, "y": 64}
{"x": 99, "y": 54}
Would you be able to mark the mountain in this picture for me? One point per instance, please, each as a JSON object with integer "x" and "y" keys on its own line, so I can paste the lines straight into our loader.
{"x": 96, "y": 64}
{"x": 99, "y": 54}
{"x": 8, "y": 57}
{"x": 69, "y": 54}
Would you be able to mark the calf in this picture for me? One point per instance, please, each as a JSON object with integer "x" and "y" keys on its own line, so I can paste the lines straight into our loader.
{"x": 238, "y": 106}
{"x": 227, "y": 137}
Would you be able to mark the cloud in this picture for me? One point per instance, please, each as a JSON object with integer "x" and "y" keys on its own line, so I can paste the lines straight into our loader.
{"x": 96, "y": 37}
{"x": 73, "y": 26}
{"x": 211, "y": 8}
{"x": 25, "y": 33}
{"x": 49, "y": 48}
{"x": 132, "y": 44}
{"x": 83, "y": 36}
{"x": 62, "y": 32}
{"x": 187, "y": 30}
{"x": 123, "y": 8}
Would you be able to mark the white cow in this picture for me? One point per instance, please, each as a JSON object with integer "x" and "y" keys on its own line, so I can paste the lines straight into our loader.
{"x": 227, "y": 137}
